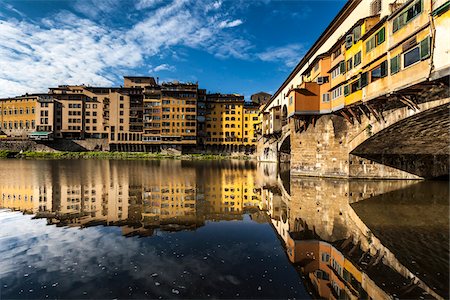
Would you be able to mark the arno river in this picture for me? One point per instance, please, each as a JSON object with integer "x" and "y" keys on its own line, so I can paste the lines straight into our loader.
{"x": 216, "y": 229}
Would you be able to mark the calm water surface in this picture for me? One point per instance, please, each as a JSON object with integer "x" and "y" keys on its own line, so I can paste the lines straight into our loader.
{"x": 178, "y": 229}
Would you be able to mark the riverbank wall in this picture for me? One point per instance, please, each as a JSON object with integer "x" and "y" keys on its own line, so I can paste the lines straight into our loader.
{"x": 102, "y": 145}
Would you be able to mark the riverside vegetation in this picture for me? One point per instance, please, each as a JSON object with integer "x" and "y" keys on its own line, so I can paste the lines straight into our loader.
{"x": 115, "y": 155}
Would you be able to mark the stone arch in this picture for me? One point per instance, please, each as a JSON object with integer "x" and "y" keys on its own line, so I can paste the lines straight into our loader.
{"x": 411, "y": 141}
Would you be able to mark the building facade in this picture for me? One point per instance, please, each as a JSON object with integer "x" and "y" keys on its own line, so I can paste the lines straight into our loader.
{"x": 142, "y": 115}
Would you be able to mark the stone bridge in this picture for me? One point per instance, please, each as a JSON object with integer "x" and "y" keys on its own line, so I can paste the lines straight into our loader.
{"x": 398, "y": 137}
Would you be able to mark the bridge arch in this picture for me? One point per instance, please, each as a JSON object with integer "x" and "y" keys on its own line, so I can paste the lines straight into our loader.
{"x": 366, "y": 146}
{"x": 284, "y": 147}
{"x": 413, "y": 141}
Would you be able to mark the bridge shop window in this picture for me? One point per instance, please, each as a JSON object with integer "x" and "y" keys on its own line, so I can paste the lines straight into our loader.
{"x": 407, "y": 15}
{"x": 376, "y": 40}
{"x": 420, "y": 52}
{"x": 379, "y": 72}
{"x": 357, "y": 59}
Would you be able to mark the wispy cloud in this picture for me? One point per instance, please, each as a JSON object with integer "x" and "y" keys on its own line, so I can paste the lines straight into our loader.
{"x": 230, "y": 24}
{"x": 143, "y": 4}
{"x": 94, "y": 8}
{"x": 163, "y": 67}
{"x": 288, "y": 55}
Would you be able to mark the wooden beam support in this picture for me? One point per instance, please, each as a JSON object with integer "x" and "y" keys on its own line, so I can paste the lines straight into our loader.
{"x": 354, "y": 114}
{"x": 364, "y": 112}
{"x": 373, "y": 112}
{"x": 347, "y": 117}
{"x": 409, "y": 102}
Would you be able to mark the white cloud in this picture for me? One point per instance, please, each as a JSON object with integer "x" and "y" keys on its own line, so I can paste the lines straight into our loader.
{"x": 143, "y": 4}
{"x": 289, "y": 55}
{"x": 72, "y": 52}
{"x": 69, "y": 49}
{"x": 163, "y": 67}
{"x": 230, "y": 24}
{"x": 93, "y": 8}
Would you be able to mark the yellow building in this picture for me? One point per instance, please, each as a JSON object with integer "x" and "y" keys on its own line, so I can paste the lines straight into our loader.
{"x": 224, "y": 119}
{"x": 18, "y": 115}
{"x": 251, "y": 123}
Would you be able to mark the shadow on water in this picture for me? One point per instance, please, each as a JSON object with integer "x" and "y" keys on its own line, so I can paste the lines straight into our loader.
{"x": 212, "y": 229}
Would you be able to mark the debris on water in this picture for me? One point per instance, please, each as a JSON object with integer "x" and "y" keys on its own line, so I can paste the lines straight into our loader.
{"x": 55, "y": 284}
{"x": 157, "y": 283}
{"x": 259, "y": 288}
{"x": 175, "y": 291}
{"x": 84, "y": 293}
{"x": 31, "y": 290}
{"x": 26, "y": 275}
{"x": 154, "y": 274}
{"x": 204, "y": 258}
{"x": 5, "y": 286}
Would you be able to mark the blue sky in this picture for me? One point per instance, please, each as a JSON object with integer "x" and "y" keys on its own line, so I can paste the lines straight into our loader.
{"x": 238, "y": 46}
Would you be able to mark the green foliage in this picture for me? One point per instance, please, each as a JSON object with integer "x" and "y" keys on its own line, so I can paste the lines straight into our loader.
{"x": 113, "y": 155}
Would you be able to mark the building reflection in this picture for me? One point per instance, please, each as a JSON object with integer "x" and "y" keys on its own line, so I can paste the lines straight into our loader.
{"x": 323, "y": 225}
{"x": 346, "y": 239}
{"x": 168, "y": 195}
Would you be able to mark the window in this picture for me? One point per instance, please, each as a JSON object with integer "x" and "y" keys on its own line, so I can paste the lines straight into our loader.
{"x": 337, "y": 52}
{"x": 380, "y": 36}
{"x": 425, "y": 48}
{"x": 338, "y": 70}
{"x": 357, "y": 59}
{"x": 395, "y": 64}
{"x": 336, "y": 93}
{"x": 355, "y": 86}
{"x": 349, "y": 64}
{"x": 291, "y": 100}
{"x": 346, "y": 90}
{"x": 357, "y": 34}
{"x": 379, "y": 72}
{"x": 335, "y": 73}
{"x": 376, "y": 40}
{"x": 411, "y": 57}
{"x": 364, "y": 80}
{"x": 326, "y": 97}
{"x": 375, "y": 7}
{"x": 407, "y": 15}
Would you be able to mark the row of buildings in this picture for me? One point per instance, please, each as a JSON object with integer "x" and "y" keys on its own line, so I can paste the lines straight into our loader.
{"x": 373, "y": 51}
{"x": 143, "y": 115}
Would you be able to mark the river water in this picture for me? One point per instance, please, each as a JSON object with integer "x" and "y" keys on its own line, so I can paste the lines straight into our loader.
{"x": 112, "y": 229}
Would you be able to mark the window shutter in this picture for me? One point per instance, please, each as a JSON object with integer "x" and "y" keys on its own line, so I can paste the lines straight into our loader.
{"x": 342, "y": 67}
{"x": 425, "y": 48}
{"x": 364, "y": 80}
{"x": 380, "y": 36}
{"x": 383, "y": 67}
{"x": 395, "y": 64}
{"x": 346, "y": 90}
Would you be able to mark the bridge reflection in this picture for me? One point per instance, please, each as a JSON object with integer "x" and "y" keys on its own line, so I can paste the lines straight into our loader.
{"x": 347, "y": 239}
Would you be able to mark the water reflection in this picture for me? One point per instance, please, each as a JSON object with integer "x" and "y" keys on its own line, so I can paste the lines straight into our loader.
{"x": 138, "y": 196}
{"x": 365, "y": 239}
{"x": 343, "y": 239}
